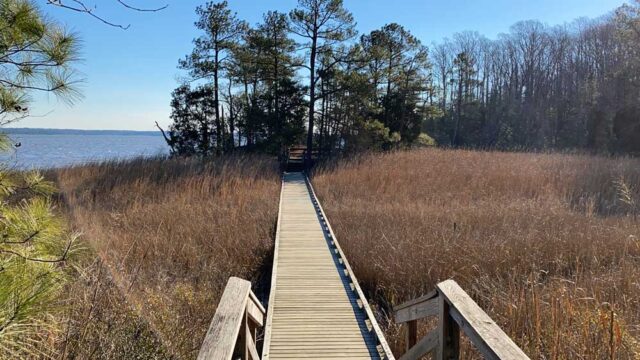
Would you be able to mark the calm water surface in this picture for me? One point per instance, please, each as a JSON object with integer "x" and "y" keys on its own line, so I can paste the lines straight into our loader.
{"x": 57, "y": 150}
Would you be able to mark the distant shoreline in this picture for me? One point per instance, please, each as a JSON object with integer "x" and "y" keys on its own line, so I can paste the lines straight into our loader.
{"x": 45, "y": 131}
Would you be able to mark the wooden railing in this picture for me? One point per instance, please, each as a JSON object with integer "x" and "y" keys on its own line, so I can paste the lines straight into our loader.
{"x": 294, "y": 157}
{"x": 232, "y": 333}
{"x": 455, "y": 311}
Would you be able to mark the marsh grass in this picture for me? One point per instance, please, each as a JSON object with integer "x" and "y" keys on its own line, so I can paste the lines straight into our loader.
{"x": 168, "y": 233}
{"x": 547, "y": 244}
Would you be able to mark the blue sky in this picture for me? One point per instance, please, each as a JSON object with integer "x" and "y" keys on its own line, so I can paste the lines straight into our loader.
{"x": 130, "y": 74}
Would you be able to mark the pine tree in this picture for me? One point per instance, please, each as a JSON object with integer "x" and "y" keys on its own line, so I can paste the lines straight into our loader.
{"x": 35, "y": 55}
{"x": 222, "y": 31}
{"x": 323, "y": 24}
{"x": 192, "y": 131}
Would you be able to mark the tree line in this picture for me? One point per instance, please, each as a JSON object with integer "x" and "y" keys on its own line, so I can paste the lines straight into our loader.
{"x": 306, "y": 77}
{"x": 572, "y": 86}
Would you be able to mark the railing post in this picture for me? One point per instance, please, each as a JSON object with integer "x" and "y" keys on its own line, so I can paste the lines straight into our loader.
{"x": 412, "y": 334}
{"x": 252, "y": 332}
{"x": 243, "y": 342}
{"x": 456, "y": 312}
{"x": 449, "y": 333}
{"x": 246, "y": 346}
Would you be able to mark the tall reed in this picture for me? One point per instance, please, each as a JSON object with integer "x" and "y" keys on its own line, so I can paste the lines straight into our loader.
{"x": 547, "y": 244}
{"x": 169, "y": 233}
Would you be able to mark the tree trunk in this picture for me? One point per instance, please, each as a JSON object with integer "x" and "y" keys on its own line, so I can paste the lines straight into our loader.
{"x": 312, "y": 97}
{"x": 249, "y": 125}
{"x": 322, "y": 117}
{"x": 389, "y": 72}
{"x": 231, "y": 118}
{"x": 276, "y": 89}
{"x": 456, "y": 130}
{"x": 224, "y": 131}
{"x": 216, "y": 100}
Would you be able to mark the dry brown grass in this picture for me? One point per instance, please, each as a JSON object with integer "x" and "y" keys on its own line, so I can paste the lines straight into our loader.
{"x": 169, "y": 233}
{"x": 547, "y": 244}
{"x": 544, "y": 243}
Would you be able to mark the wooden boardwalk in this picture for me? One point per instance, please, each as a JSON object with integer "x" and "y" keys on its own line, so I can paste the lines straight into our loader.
{"x": 314, "y": 309}
{"x": 317, "y": 310}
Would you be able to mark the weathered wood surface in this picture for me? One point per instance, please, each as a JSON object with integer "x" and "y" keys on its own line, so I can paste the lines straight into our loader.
{"x": 313, "y": 310}
{"x": 483, "y": 332}
{"x": 426, "y": 345}
{"x": 222, "y": 336}
{"x": 296, "y": 155}
{"x": 456, "y": 312}
{"x": 417, "y": 309}
{"x": 448, "y": 333}
{"x": 384, "y": 348}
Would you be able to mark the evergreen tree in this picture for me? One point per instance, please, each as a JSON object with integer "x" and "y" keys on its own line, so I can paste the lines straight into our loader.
{"x": 286, "y": 122}
{"x": 322, "y": 24}
{"x": 192, "y": 111}
{"x": 260, "y": 64}
{"x": 535, "y": 87}
{"x": 222, "y": 31}
{"x": 276, "y": 70}
{"x": 36, "y": 54}
{"x": 34, "y": 249}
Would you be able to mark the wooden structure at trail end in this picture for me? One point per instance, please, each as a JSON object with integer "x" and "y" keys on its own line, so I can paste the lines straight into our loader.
{"x": 317, "y": 310}
{"x": 296, "y": 156}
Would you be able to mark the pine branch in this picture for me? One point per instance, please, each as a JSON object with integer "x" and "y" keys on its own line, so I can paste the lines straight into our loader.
{"x": 61, "y": 259}
{"x": 24, "y": 241}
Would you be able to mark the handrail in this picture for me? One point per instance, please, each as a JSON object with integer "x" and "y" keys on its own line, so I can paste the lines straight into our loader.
{"x": 300, "y": 151}
{"x": 456, "y": 311}
{"x": 233, "y": 328}
{"x": 297, "y": 156}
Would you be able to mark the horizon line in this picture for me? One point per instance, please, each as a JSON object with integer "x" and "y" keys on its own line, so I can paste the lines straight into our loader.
{"x": 13, "y": 129}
